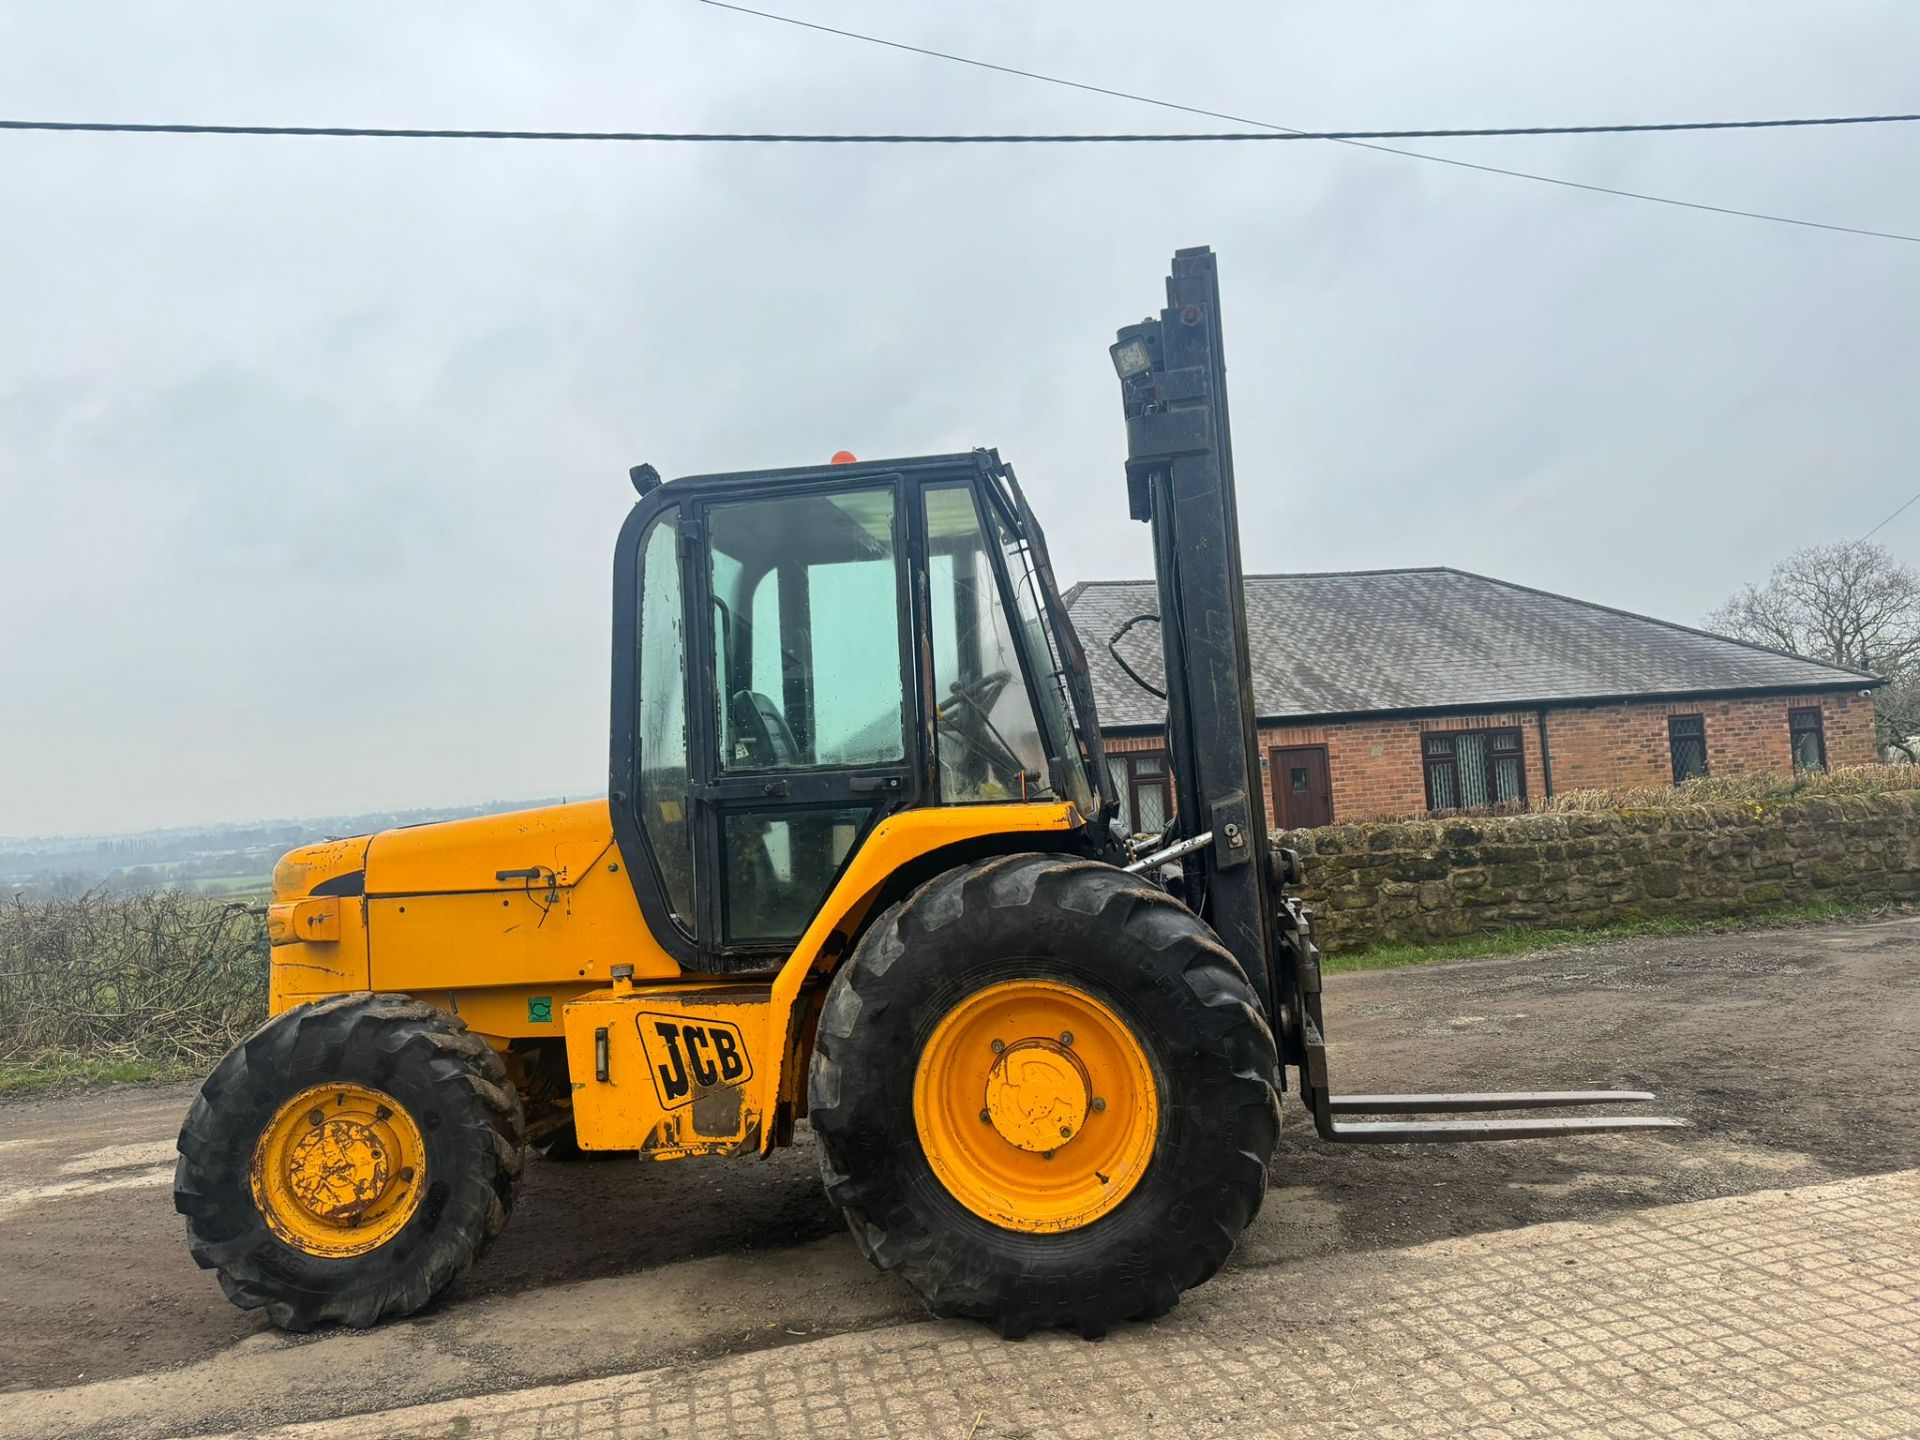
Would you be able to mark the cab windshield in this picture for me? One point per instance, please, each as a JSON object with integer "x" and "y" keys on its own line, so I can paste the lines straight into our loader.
{"x": 1001, "y": 726}
{"x": 1049, "y": 652}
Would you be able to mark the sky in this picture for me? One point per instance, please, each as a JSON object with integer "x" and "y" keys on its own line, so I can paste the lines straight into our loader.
{"x": 312, "y": 452}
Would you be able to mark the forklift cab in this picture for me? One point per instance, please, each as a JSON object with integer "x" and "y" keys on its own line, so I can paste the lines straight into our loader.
{"x": 798, "y": 654}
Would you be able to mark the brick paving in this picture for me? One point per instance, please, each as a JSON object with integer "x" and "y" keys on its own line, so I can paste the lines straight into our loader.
{"x": 1783, "y": 1313}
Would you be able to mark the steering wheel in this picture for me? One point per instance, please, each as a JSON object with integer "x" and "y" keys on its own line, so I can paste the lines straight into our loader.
{"x": 970, "y": 715}
{"x": 758, "y": 721}
{"x": 981, "y": 693}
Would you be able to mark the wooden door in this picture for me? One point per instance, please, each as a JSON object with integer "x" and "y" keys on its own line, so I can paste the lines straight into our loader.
{"x": 1302, "y": 791}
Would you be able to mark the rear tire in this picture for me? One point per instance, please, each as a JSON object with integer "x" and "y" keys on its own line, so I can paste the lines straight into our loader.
{"x": 1037, "y": 925}
{"x": 458, "y": 1120}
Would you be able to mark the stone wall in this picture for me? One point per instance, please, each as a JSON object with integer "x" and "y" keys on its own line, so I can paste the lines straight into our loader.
{"x": 1421, "y": 880}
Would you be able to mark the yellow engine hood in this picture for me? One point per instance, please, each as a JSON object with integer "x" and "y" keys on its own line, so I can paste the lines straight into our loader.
{"x": 559, "y": 843}
{"x": 337, "y": 860}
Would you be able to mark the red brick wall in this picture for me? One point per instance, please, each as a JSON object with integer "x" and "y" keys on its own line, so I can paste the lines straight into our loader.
{"x": 1375, "y": 765}
{"x": 1376, "y": 771}
{"x": 1627, "y": 744}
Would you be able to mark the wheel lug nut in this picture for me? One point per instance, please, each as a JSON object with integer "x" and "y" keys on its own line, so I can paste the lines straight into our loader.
{"x": 998, "y": 1046}
{"x": 1098, "y": 1104}
{"x": 1066, "y": 1132}
{"x": 1066, "y": 1037}
{"x": 986, "y": 1117}
{"x": 1046, "y": 1154}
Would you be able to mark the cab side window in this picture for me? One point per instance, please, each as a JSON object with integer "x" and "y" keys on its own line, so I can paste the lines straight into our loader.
{"x": 664, "y": 782}
{"x": 806, "y": 632}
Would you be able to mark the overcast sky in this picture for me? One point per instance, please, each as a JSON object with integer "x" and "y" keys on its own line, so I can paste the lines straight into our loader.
{"x": 312, "y": 451}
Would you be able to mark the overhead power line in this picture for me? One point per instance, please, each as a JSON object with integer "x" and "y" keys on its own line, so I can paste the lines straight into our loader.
{"x": 1888, "y": 521}
{"x": 1082, "y": 85}
{"x": 704, "y": 137}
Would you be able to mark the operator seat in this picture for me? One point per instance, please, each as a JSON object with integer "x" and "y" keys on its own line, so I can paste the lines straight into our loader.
{"x": 763, "y": 726}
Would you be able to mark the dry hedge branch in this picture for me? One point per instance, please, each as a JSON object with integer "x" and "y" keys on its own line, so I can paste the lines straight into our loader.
{"x": 161, "y": 975}
{"x": 1744, "y": 789}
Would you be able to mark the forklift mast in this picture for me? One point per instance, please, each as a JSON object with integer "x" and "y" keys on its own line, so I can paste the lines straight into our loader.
{"x": 1180, "y": 480}
{"x": 1173, "y": 382}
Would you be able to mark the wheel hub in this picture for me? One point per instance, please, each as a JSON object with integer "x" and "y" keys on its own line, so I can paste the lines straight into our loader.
{"x": 1036, "y": 1105}
{"x": 1037, "y": 1095}
{"x": 339, "y": 1170}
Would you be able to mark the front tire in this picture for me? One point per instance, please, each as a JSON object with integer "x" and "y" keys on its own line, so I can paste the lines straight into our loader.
{"x": 349, "y": 1160}
{"x": 1026, "y": 998}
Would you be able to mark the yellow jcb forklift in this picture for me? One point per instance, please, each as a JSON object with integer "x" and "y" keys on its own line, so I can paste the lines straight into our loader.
{"x": 858, "y": 864}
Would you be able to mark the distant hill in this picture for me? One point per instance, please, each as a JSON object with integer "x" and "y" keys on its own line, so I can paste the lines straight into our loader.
{"x": 221, "y": 859}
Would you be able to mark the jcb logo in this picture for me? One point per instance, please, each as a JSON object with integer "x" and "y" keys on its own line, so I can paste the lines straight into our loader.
{"x": 685, "y": 1055}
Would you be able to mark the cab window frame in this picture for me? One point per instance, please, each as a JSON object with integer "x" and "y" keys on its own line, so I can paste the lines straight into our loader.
{"x": 778, "y": 793}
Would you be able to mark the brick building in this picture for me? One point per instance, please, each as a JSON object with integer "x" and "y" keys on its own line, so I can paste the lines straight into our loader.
{"x": 1391, "y": 693}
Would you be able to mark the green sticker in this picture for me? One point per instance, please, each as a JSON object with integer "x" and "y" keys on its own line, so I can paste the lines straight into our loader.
{"x": 539, "y": 1009}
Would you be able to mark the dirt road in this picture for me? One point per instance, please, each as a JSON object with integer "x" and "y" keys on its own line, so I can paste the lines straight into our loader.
{"x": 1791, "y": 1050}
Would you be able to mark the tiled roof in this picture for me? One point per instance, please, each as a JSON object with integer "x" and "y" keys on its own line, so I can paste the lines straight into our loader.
{"x": 1364, "y": 642}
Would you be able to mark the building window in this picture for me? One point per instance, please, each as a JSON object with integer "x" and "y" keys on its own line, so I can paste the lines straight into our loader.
{"x": 1808, "y": 737}
{"x": 1687, "y": 739}
{"x": 1144, "y": 790}
{"x": 1473, "y": 769}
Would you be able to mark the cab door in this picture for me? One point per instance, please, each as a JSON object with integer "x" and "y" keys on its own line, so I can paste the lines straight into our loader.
{"x": 803, "y": 701}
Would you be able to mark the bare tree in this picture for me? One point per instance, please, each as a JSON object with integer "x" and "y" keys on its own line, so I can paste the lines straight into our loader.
{"x": 1851, "y": 604}
{"x": 1896, "y": 709}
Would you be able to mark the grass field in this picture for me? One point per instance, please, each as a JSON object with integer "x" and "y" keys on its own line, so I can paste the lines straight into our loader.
{"x": 232, "y": 887}
{"x": 72, "y": 1073}
{"x": 1522, "y": 942}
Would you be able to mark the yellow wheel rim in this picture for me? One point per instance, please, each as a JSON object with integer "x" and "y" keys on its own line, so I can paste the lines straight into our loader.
{"x": 339, "y": 1170}
{"x": 1036, "y": 1106}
